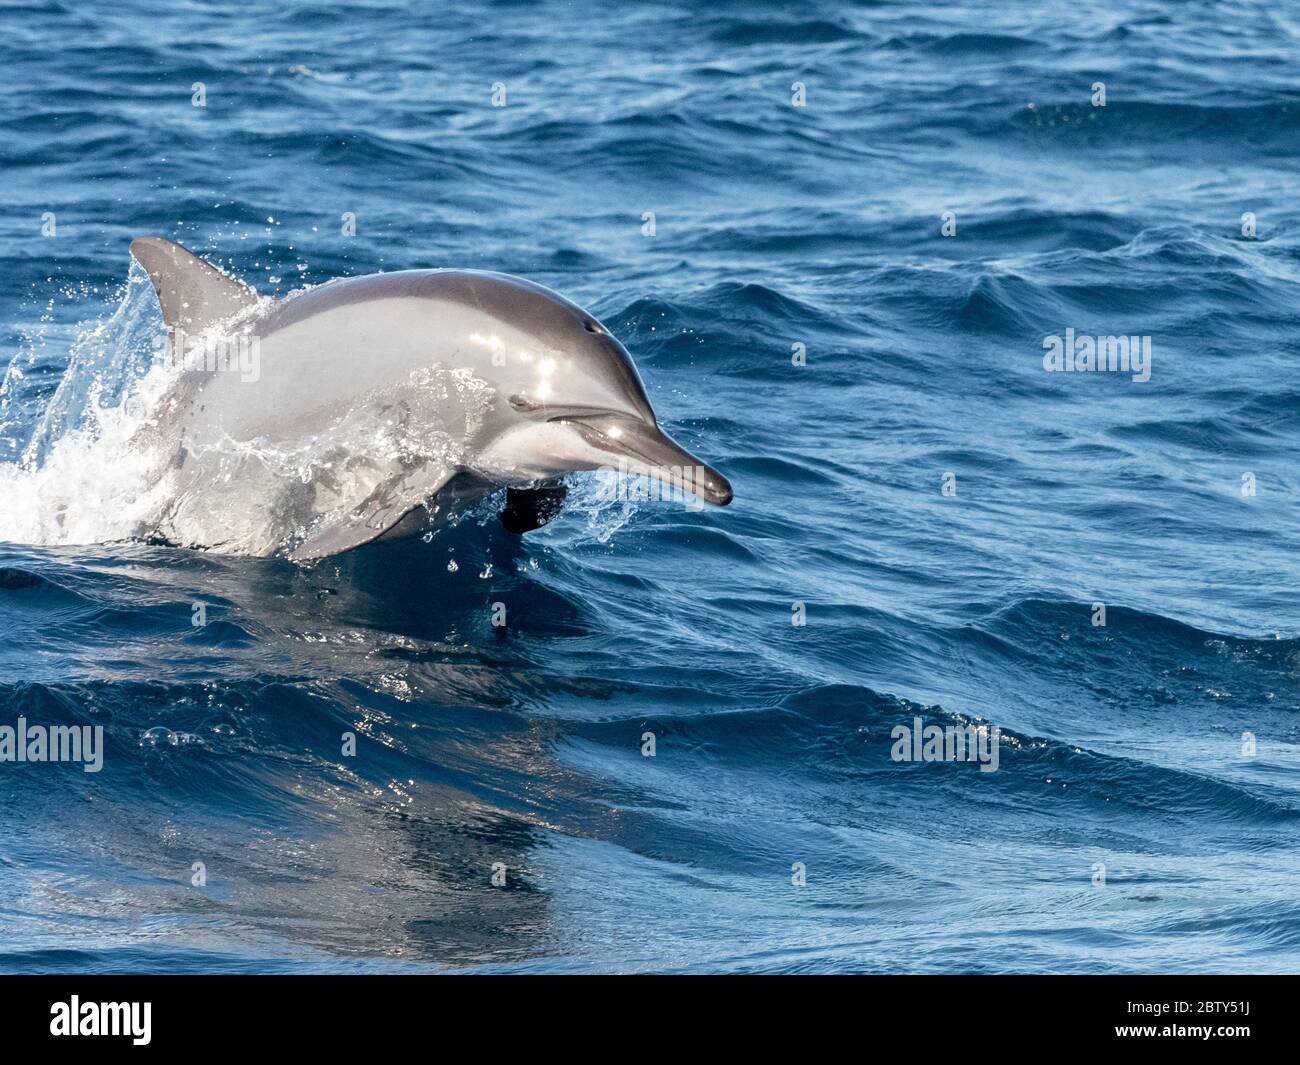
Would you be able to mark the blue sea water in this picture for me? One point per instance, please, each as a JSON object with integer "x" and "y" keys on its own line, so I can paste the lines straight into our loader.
{"x": 1128, "y": 826}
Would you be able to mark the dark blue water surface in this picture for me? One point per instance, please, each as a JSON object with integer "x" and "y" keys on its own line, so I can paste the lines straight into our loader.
{"x": 775, "y": 225}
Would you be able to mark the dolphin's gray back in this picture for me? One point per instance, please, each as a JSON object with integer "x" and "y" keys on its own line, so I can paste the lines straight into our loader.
{"x": 499, "y": 295}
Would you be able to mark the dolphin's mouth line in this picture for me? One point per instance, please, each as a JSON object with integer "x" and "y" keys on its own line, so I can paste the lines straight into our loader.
{"x": 621, "y": 445}
{"x": 583, "y": 415}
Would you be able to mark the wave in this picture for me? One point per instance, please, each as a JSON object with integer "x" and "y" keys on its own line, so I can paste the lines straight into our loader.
{"x": 1099, "y": 587}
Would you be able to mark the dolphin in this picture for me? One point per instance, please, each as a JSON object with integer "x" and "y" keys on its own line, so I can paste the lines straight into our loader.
{"x": 369, "y": 407}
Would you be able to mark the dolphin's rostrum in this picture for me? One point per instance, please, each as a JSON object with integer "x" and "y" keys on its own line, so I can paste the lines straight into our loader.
{"x": 378, "y": 403}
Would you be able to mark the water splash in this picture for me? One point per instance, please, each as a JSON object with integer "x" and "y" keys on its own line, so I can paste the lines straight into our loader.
{"x": 107, "y": 361}
{"x": 79, "y": 479}
{"x": 592, "y": 513}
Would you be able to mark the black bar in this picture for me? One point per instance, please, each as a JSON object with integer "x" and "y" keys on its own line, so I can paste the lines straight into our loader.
{"x": 334, "y": 1013}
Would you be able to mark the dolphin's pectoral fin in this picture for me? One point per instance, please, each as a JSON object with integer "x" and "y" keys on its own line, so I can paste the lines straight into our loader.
{"x": 379, "y": 512}
{"x": 193, "y": 294}
{"x": 531, "y": 508}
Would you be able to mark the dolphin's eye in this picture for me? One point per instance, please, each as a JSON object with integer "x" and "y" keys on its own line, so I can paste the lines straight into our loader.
{"x": 592, "y": 327}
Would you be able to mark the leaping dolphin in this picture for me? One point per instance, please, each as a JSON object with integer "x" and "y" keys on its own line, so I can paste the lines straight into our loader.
{"x": 381, "y": 402}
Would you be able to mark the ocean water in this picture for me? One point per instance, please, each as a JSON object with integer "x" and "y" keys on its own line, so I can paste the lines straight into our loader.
{"x": 942, "y": 513}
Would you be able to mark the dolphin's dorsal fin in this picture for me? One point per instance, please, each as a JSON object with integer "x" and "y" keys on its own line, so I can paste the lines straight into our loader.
{"x": 194, "y": 294}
